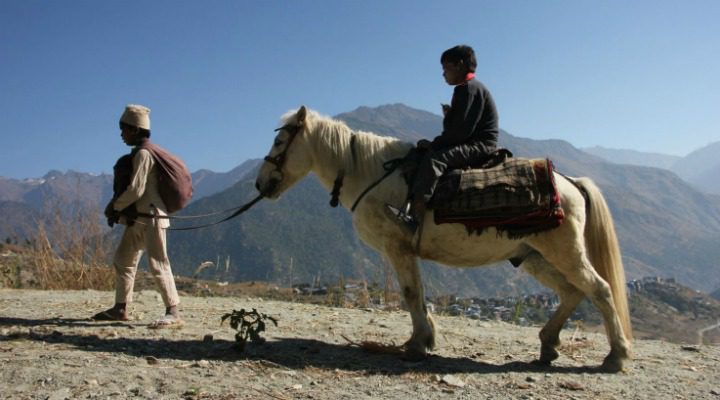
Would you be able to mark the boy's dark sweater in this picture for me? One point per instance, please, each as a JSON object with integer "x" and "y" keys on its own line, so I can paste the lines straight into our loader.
{"x": 472, "y": 118}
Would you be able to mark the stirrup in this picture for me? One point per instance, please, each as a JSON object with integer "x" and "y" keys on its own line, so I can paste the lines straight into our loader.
{"x": 404, "y": 217}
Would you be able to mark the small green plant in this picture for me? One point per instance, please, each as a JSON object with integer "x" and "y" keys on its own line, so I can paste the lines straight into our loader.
{"x": 248, "y": 325}
{"x": 518, "y": 312}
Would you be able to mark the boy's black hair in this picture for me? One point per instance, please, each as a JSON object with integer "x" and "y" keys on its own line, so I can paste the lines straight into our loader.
{"x": 459, "y": 53}
{"x": 142, "y": 132}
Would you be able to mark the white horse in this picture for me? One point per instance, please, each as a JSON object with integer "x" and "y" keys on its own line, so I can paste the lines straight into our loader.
{"x": 580, "y": 258}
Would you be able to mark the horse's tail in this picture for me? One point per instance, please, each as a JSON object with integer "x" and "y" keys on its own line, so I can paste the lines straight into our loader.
{"x": 604, "y": 250}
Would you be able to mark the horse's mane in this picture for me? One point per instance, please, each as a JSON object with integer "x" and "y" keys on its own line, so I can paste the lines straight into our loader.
{"x": 332, "y": 137}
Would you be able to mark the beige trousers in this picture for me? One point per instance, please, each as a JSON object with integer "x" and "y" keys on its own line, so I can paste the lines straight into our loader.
{"x": 136, "y": 239}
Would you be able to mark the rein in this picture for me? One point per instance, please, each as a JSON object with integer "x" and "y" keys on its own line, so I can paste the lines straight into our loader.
{"x": 389, "y": 167}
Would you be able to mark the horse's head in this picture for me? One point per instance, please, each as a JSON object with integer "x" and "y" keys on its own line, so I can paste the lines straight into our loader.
{"x": 289, "y": 159}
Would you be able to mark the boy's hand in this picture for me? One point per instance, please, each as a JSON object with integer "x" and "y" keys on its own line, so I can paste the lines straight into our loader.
{"x": 445, "y": 108}
{"x": 424, "y": 144}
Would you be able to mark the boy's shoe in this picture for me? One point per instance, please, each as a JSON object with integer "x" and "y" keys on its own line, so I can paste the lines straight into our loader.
{"x": 406, "y": 220}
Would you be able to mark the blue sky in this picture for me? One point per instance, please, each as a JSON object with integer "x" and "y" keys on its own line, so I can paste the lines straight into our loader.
{"x": 643, "y": 75}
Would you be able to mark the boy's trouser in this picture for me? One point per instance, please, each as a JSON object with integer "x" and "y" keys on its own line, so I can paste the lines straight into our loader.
{"x": 435, "y": 162}
{"x": 139, "y": 237}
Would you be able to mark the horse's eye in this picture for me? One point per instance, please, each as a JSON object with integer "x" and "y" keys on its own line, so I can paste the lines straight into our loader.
{"x": 278, "y": 142}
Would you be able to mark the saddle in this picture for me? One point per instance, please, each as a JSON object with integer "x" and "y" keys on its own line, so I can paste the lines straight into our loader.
{"x": 517, "y": 196}
{"x": 514, "y": 195}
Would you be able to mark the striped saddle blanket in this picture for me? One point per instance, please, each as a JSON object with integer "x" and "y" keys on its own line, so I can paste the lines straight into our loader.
{"x": 518, "y": 197}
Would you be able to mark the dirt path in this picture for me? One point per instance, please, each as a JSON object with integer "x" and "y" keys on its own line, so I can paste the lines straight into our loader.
{"x": 48, "y": 351}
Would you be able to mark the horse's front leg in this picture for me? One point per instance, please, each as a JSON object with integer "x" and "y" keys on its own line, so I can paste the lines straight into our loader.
{"x": 408, "y": 275}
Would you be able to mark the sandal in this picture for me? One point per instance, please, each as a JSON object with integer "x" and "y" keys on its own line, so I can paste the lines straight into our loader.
{"x": 167, "y": 322}
{"x": 109, "y": 315}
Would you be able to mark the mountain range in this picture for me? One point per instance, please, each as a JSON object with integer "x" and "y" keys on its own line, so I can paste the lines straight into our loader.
{"x": 634, "y": 157}
{"x": 206, "y": 182}
{"x": 700, "y": 168}
{"x": 72, "y": 194}
{"x": 665, "y": 225}
{"x": 26, "y": 203}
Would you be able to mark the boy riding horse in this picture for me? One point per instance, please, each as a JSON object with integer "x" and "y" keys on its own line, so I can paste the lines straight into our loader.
{"x": 470, "y": 132}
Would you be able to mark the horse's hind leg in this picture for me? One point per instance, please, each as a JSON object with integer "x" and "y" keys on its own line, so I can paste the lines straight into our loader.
{"x": 408, "y": 275}
{"x": 569, "y": 295}
{"x": 580, "y": 273}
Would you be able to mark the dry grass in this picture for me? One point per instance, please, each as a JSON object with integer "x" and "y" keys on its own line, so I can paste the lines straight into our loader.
{"x": 66, "y": 253}
{"x": 72, "y": 252}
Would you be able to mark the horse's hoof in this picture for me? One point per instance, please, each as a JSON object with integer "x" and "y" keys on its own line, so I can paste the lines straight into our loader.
{"x": 613, "y": 364}
{"x": 541, "y": 363}
{"x": 548, "y": 355}
{"x": 413, "y": 355}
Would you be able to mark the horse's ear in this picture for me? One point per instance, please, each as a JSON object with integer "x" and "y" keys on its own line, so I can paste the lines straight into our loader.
{"x": 301, "y": 114}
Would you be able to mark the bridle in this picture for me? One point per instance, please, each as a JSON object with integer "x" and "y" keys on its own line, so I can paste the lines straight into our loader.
{"x": 279, "y": 162}
{"x": 279, "y": 159}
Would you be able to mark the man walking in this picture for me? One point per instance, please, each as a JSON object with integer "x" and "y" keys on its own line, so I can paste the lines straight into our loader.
{"x": 142, "y": 234}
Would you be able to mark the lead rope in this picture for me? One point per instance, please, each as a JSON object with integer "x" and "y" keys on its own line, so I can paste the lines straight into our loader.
{"x": 239, "y": 211}
{"x": 233, "y": 215}
{"x": 180, "y": 217}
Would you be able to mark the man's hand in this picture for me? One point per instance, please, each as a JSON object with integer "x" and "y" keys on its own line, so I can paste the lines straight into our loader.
{"x": 109, "y": 209}
{"x": 112, "y": 216}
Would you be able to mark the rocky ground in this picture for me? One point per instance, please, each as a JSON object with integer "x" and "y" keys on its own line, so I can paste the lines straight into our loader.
{"x": 48, "y": 350}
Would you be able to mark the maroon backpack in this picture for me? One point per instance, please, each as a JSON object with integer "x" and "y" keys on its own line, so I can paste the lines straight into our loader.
{"x": 174, "y": 180}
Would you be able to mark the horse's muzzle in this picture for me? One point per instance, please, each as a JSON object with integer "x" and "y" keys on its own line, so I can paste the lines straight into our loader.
{"x": 269, "y": 189}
